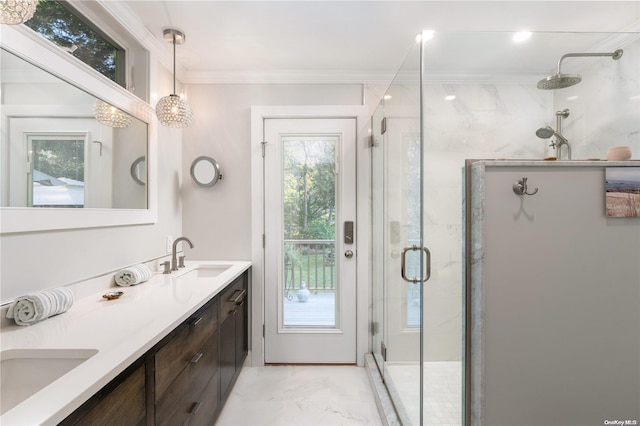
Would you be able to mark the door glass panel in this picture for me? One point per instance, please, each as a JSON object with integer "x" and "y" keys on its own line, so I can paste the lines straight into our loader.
{"x": 310, "y": 279}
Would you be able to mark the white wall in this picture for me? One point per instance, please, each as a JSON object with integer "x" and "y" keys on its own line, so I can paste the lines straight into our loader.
{"x": 39, "y": 260}
{"x": 218, "y": 219}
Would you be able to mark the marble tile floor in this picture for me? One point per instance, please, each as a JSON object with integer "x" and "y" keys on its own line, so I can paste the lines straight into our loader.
{"x": 301, "y": 395}
{"x": 442, "y": 392}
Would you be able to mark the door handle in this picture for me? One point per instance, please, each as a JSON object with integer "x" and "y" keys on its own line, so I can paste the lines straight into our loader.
{"x": 348, "y": 254}
{"x": 403, "y": 263}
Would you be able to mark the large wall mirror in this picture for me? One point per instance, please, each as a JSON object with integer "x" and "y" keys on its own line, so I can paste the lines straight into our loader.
{"x": 67, "y": 155}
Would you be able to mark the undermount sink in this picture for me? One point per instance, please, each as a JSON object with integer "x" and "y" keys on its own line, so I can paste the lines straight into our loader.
{"x": 206, "y": 271}
{"x": 24, "y": 372}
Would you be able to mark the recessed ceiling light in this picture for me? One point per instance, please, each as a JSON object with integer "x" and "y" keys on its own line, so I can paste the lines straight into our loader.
{"x": 425, "y": 36}
{"x": 573, "y": 98}
{"x": 449, "y": 97}
{"x": 387, "y": 97}
{"x": 521, "y": 36}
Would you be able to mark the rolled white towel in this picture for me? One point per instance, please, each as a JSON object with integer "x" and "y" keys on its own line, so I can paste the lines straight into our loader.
{"x": 30, "y": 309}
{"x": 133, "y": 275}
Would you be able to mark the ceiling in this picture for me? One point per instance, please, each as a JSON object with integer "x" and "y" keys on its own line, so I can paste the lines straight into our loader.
{"x": 342, "y": 41}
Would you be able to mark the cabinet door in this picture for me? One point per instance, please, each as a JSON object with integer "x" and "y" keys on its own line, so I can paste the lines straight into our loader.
{"x": 242, "y": 335}
{"x": 227, "y": 353}
{"x": 124, "y": 405}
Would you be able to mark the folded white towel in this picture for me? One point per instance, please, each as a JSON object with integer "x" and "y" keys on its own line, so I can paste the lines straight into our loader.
{"x": 30, "y": 309}
{"x": 133, "y": 275}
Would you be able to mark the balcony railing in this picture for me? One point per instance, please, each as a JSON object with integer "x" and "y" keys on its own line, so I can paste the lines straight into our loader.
{"x": 312, "y": 262}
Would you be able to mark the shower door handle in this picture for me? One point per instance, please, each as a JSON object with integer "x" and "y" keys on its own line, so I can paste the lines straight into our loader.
{"x": 403, "y": 264}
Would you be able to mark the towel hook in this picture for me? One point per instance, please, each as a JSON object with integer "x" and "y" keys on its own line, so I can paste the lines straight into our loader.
{"x": 520, "y": 187}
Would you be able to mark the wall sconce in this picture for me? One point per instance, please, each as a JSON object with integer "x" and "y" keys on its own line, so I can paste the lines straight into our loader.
{"x": 109, "y": 115}
{"x": 173, "y": 111}
{"x": 16, "y": 12}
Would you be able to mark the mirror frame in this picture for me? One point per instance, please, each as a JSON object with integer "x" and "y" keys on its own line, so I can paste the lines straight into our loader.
{"x": 216, "y": 171}
{"x": 35, "y": 49}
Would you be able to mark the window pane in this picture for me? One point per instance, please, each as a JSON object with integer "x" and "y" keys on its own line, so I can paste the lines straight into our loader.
{"x": 309, "y": 236}
{"x": 56, "y": 22}
{"x": 57, "y": 173}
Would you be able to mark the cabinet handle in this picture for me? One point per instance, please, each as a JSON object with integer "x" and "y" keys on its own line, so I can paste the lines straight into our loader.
{"x": 239, "y": 298}
{"x": 196, "y": 358}
{"x": 196, "y": 322}
{"x": 195, "y": 408}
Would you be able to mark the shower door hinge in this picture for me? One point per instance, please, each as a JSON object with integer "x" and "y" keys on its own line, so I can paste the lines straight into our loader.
{"x": 263, "y": 330}
{"x": 383, "y": 126}
{"x": 374, "y": 327}
{"x": 383, "y": 350}
{"x": 263, "y": 144}
{"x": 263, "y": 241}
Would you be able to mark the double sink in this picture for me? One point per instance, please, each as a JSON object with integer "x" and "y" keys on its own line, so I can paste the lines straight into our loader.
{"x": 25, "y": 372}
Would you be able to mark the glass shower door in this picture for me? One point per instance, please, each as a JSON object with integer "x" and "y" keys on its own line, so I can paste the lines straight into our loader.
{"x": 398, "y": 258}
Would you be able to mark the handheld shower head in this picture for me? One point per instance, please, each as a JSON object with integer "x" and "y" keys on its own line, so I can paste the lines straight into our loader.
{"x": 560, "y": 81}
{"x": 545, "y": 132}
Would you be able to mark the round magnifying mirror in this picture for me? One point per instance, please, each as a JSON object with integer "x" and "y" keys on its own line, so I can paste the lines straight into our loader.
{"x": 205, "y": 171}
{"x": 139, "y": 170}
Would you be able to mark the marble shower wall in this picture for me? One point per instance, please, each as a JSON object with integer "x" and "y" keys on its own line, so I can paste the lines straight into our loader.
{"x": 483, "y": 121}
{"x": 498, "y": 121}
{"x": 604, "y": 107}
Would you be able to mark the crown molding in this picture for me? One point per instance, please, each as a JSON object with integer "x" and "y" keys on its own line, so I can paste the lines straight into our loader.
{"x": 288, "y": 76}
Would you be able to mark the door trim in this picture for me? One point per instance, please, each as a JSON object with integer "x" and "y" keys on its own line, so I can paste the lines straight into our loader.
{"x": 258, "y": 115}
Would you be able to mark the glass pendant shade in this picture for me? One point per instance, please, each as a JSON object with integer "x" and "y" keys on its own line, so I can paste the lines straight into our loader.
{"x": 110, "y": 116}
{"x": 17, "y": 11}
{"x": 172, "y": 111}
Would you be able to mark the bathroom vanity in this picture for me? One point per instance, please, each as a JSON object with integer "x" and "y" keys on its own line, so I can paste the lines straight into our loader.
{"x": 168, "y": 351}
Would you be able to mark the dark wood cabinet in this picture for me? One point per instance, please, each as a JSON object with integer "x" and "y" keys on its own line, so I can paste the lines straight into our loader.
{"x": 121, "y": 402}
{"x": 233, "y": 333}
{"x": 184, "y": 379}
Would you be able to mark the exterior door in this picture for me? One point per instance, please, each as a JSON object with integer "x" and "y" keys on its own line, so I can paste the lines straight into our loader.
{"x": 310, "y": 241}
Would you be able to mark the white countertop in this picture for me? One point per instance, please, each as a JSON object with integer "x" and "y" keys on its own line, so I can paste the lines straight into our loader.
{"x": 121, "y": 330}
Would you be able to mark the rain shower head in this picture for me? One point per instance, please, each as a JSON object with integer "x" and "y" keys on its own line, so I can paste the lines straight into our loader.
{"x": 560, "y": 81}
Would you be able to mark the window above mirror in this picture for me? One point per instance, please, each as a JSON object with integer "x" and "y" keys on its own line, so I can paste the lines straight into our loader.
{"x": 58, "y": 22}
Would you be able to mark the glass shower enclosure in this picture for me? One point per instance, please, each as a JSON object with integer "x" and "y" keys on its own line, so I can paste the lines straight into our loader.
{"x": 422, "y": 377}
{"x": 460, "y": 96}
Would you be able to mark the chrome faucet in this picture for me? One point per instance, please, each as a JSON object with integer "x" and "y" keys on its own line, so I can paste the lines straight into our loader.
{"x": 174, "y": 258}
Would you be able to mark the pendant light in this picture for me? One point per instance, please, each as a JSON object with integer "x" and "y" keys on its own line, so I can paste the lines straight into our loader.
{"x": 110, "y": 116}
{"x": 173, "y": 111}
{"x": 16, "y": 12}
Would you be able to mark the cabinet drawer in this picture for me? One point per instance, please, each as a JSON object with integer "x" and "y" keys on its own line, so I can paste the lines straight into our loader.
{"x": 176, "y": 355}
{"x": 185, "y": 399}
{"x": 232, "y": 297}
